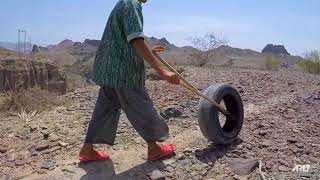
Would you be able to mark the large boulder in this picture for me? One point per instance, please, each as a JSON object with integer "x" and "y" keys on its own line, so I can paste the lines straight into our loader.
{"x": 21, "y": 73}
{"x": 275, "y": 49}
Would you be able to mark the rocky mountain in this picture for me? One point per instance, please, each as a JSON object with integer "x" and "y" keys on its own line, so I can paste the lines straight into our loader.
{"x": 225, "y": 49}
{"x": 275, "y": 49}
{"x": 247, "y": 58}
{"x": 79, "y": 56}
{"x": 64, "y": 44}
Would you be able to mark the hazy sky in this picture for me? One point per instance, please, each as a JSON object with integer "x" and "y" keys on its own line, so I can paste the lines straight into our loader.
{"x": 245, "y": 23}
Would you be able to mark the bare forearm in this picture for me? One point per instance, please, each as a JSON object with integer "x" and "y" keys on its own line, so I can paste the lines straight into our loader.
{"x": 144, "y": 51}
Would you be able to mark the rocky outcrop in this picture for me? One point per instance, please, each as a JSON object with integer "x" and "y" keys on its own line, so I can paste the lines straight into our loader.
{"x": 20, "y": 73}
{"x": 92, "y": 42}
{"x": 38, "y": 49}
{"x": 275, "y": 49}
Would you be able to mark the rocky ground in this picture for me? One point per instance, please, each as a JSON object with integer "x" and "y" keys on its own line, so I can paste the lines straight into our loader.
{"x": 281, "y": 130}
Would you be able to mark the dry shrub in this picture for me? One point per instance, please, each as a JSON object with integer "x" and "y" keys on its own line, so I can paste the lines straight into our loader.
{"x": 28, "y": 100}
{"x": 311, "y": 64}
{"x": 200, "y": 58}
{"x": 271, "y": 64}
{"x": 310, "y": 67}
{"x": 203, "y": 46}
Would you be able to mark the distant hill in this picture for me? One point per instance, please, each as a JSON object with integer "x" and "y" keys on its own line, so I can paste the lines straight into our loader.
{"x": 14, "y": 46}
{"x": 79, "y": 56}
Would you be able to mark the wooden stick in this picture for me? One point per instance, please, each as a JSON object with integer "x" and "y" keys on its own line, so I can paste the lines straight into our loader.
{"x": 192, "y": 88}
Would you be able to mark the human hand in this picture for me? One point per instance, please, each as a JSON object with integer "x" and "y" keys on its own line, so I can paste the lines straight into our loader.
{"x": 170, "y": 77}
{"x": 158, "y": 49}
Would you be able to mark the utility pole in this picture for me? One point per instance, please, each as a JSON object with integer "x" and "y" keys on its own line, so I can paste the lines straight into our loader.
{"x": 30, "y": 41}
{"x": 25, "y": 40}
{"x": 19, "y": 42}
{"x": 30, "y": 46}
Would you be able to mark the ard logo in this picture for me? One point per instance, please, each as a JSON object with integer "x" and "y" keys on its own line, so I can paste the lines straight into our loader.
{"x": 301, "y": 168}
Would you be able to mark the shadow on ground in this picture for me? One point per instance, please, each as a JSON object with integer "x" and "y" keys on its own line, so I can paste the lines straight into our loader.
{"x": 212, "y": 153}
{"x": 105, "y": 171}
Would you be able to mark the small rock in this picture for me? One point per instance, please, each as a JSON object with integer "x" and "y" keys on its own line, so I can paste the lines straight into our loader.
{"x": 53, "y": 149}
{"x": 60, "y": 109}
{"x": 198, "y": 153}
{"x": 237, "y": 177}
{"x": 69, "y": 169}
{"x": 299, "y": 145}
{"x": 73, "y": 141}
{"x": 265, "y": 144}
{"x": 187, "y": 151}
{"x": 32, "y": 127}
{"x": 20, "y": 162}
{"x": 12, "y": 157}
{"x": 283, "y": 162}
{"x": 45, "y": 134}
{"x": 42, "y": 145}
{"x": 262, "y": 133}
{"x": 63, "y": 144}
{"x": 180, "y": 156}
{"x": 171, "y": 112}
{"x": 283, "y": 168}
{"x": 3, "y": 149}
{"x": 243, "y": 166}
{"x": 170, "y": 169}
{"x": 157, "y": 175}
{"x": 168, "y": 161}
{"x": 292, "y": 140}
{"x": 42, "y": 171}
{"x": 48, "y": 164}
{"x": 34, "y": 153}
{"x": 54, "y": 138}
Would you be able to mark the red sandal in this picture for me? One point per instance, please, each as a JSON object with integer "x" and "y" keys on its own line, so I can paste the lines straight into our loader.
{"x": 100, "y": 156}
{"x": 167, "y": 150}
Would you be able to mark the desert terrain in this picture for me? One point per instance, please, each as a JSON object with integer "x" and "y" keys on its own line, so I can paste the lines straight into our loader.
{"x": 281, "y": 129}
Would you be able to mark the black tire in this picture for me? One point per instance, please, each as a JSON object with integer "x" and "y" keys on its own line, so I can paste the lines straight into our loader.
{"x": 209, "y": 115}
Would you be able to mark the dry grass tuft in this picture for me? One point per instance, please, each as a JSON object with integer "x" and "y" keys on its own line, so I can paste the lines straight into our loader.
{"x": 28, "y": 102}
{"x": 271, "y": 64}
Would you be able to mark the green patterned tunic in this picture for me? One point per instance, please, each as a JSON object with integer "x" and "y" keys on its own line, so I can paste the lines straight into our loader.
{"x": 117, "y": 65}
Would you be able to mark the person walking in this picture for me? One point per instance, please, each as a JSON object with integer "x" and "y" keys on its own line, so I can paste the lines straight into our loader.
{"x": 119, "y": 70}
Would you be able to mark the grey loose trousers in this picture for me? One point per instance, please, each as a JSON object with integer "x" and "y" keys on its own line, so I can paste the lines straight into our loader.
{"x": 139, "y": 109}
